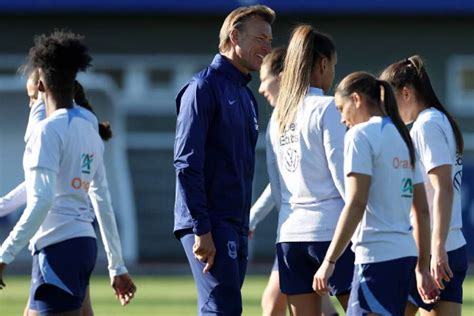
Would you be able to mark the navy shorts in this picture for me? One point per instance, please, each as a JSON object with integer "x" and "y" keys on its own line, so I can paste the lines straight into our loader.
{"x": 453, "y": 289}
{"x": 299, "y": 261}
{"x": 60, "y": 275}
{"x": 382, "y": 287}
{"x": 219, "y": 289}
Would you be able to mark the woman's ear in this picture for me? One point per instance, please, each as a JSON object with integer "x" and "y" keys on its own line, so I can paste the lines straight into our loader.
{"x": 407, "y": 93}
{"x": 356, "y": 99}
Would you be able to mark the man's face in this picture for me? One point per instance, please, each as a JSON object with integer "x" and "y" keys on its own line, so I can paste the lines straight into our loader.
{"x": 254, "y": 43}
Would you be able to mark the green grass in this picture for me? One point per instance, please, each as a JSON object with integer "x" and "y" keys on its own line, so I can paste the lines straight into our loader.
{"x": 161, "y": 295}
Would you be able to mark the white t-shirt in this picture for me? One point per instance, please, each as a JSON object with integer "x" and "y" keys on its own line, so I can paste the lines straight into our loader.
{"x": 17, "y": 197}
{"x": 69, "y": 145}
{"x": 435, "y": 143}
{"x": 376, "y": 148}
{"x": 305, "y": 166}
{"x": 66, "y": 148}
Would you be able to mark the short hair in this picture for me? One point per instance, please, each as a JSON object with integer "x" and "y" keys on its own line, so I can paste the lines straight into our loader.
{"x": 236, "y": 20}
{"x": 60, "y": 55}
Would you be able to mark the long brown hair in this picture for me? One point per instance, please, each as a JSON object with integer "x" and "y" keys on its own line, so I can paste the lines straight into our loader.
{"x": 307, "y": 46}
{"x": 378, "y": 93}
{"x": 411, "y": 72}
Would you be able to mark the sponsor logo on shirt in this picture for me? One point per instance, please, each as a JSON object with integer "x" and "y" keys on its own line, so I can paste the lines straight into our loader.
{"x": 289, "y": 135}
{"x": 86, "y": 163}
{"x": 292, "y": 159}
{"x": 78, "y": 184}
{"x": 401, "y": 163}
{"x": 407, "y": 188}
{"x": 457, "y": 179}
{"x": 232, "y": 249}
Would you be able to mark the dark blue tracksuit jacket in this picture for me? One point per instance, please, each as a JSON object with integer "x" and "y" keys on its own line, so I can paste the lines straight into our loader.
{"x": 214, "y": 150}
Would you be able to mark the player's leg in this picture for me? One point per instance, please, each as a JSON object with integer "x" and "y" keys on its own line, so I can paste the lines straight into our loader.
{"x": 305, "y": 304}
{"x": 274, "y": 302}
{"x": 327, "y": 308}
{"x": 297, "y": 263}
{"x": 86, "y": 309}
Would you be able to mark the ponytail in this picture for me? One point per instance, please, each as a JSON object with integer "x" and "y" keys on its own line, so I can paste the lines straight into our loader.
{"x": 105, "y": 130}
{"x": 378, "y": 93}
{"x": 412, "y": 72}
{"x": 389, "y": 104}
{"x": 306, "y": 47}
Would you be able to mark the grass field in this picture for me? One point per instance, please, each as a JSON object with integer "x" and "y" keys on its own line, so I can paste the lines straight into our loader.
{"x": 162, "y": 295}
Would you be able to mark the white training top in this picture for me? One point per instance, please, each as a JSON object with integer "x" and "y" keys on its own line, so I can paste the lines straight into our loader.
{"x": 66, "y": 145}
{"x": 305, "y": 166}
{"x": 37, "y": 114}
{"x": 16, "y": 198}
{"x": 261, "y": 207}
{"x": 376, "y": 148}
{"x": 435, "y": 143}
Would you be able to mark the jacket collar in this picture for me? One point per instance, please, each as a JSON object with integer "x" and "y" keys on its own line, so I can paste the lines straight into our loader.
{"x": 222, "y": 64}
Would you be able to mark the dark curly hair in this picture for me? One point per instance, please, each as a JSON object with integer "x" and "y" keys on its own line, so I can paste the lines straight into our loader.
{"x": 60, "y": 55}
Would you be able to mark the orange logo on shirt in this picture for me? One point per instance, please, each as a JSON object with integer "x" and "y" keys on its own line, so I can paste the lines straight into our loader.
{"x": 78, "y": 184}
{"x": 400, "y": 163}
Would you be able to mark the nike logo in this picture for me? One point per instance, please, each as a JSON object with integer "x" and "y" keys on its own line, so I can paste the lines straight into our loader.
{"x": 232, "y": 102}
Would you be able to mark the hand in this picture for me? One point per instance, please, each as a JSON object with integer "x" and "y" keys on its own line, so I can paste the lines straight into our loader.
{"x": 124, "y": 288}
{"x": 251, "y": 233}
{"x": 426, "y": 285}
{"x": 321, "y": 277}
{"x": 440, "y": 269}
{"x": 204, "y": 250}
{"x": 2, "y": 268}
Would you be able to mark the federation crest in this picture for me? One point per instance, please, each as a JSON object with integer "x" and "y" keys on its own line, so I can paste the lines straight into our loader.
{"x": 292, "y": 160}
{"x": 232, "y": 249}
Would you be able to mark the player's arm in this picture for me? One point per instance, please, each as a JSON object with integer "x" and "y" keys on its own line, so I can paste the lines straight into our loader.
{"x": 195, "y": 112}
{"x": 440, "y": 178}
{"x": 356, "y": 201}
{"x": 101, "y": 202}
{"x": 333, "y": 142}
{"x": 434, "y": 151}
{"x": 421, "y": 231}
{"x": 40, "y": 190}
{"x": 272, "y": 168}
{"x": 358, "y": 166}
{"x": 261, "y": 208}
{"x": 13, "y": 200}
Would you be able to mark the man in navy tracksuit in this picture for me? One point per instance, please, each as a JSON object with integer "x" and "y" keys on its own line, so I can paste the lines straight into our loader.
{"x": 214, "y": 157}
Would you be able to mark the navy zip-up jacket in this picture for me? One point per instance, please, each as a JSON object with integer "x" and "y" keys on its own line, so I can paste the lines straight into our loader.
{"x": 214, "y": 150}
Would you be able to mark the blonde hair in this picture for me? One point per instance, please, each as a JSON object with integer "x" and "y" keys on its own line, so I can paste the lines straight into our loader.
{"x": 236, "y": 20}
{"x": 307, "y": 46}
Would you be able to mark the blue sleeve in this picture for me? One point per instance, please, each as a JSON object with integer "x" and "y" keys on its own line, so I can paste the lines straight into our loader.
{"x": 195, "y": 106}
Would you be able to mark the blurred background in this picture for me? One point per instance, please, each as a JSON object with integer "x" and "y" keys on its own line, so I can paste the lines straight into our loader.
{"x": 145, "y": 50}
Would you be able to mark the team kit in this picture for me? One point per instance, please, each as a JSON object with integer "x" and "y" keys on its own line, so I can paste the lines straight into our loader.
{"x": 366, "y": 182}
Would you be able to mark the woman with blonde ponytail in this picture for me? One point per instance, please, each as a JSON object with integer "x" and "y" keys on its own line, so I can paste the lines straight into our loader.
{"x": 305, "y": 158}
{"x": 439, "y": 144}
{"x": 382, "y": 187}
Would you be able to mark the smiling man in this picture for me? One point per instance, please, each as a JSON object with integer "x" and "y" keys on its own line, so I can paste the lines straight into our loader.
{"x": 214, "y": 158}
